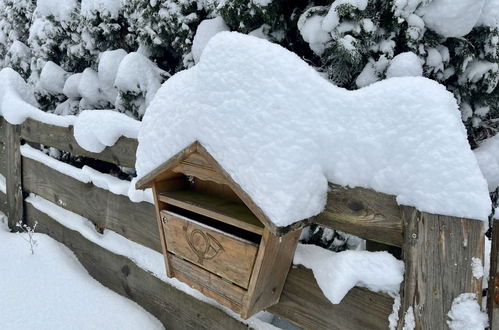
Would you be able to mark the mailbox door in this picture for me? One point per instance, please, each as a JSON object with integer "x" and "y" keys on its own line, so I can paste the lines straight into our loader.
{"x": 226, "y": 255}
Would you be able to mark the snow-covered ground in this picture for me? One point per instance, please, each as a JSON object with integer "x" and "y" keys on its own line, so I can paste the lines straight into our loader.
{"x": 52, "y": 290}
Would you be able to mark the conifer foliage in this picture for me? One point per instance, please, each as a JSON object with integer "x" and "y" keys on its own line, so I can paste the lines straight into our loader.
{"x": 352, "y": 42}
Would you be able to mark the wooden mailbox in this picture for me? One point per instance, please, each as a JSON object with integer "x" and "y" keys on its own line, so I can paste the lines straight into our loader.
{"x": 214, "y": 237}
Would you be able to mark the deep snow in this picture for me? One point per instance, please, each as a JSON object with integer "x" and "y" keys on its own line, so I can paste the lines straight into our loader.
{"x": 282, "y": 132}
{"x": 52, "y": 290}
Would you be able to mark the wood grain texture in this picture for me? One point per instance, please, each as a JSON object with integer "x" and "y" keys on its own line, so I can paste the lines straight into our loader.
{"x": 3, "y": 158}
{"x": 209, "y": 284}
{"x": 226, "y": 211}
{"x": 158, "y": 206}
{"x": 493, "y": 297}
{"x": 13, "y": 175}
{"x": 122, "y": 153}
{"x": 136, "y": 221}
{"x": 269, "y": 274}
{"x": 222, "y": 254}
{"x": 2, "y": 127}
{"x": 438, "y": 252}
{"x": 363, "y": 212}
{"x": 195, "y": 165}
{"x": 174, "y": 308}
{"x": 161, "y": 172}
{"x": 3, "y": 155}
{"x": 303, "y": 303}
{"x": 3, "y": 203}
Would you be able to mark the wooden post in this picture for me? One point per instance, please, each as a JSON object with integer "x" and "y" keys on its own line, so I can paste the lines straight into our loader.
{"x": 13, "y": 178}
{"x": 438, "y": 252}
{"x": 493, "y": 297}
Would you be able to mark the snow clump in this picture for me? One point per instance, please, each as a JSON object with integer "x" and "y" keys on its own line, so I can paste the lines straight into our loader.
{"x": 451, "y": 18}
{"x": 338, "y": 272}
{"x": 405, "y": 65}
{"x": 465, "y": 314}
{"x": 256, "y": 107}
{"x": 205, "y": 31}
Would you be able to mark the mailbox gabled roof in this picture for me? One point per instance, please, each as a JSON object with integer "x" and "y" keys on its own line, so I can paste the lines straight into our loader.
{"x": 163, "y": 171}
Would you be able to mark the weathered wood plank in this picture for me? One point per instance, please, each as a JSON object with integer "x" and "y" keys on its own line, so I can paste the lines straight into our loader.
{"x": 3, "y": 203}
{"x": 493, "y": 298}
{"x": 3, "y": 157}
{"x": 364, "y": 213}
{"x": 136, "y": 221}
{"x": 2, "y": 129}
{"x": 121, "y": 153}
{"x": 303, "y": 303}
{"x": 174, "y": 308}
{"x": 209, "y": 284}
{"x": 226, "y": 211}
{"x": 13, "y": 177}
{"x": 230, "y": 257}
{"x": 438, "y": 252}
{"x": 272, "y": 265}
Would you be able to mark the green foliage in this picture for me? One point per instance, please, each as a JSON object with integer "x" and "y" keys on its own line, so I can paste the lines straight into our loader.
{"x": 326, "y": 238}
{"x": 165, "y": 28}
{"x": 15, "y": 21}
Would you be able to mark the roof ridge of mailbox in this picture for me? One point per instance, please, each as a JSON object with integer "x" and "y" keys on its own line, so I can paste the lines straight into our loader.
{"x": 196, "y": 147}
{"x": 282, "y": 132}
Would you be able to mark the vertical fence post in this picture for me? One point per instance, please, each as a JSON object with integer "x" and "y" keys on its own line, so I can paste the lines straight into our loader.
{"x": 13, "y": 179}
{"x": 438, "y": 252}
{"x": 493, "y": 297}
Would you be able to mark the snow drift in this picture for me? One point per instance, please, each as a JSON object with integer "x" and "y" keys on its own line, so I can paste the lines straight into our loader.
{"x": 282, "y": 132}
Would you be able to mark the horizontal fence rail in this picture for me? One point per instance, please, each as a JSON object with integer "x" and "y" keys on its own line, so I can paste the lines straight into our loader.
{"x": 122, "y": 153}
{"x": 362, "y": 212}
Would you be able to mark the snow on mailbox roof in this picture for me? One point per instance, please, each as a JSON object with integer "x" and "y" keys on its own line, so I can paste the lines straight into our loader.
{"x": 282, "y": 132}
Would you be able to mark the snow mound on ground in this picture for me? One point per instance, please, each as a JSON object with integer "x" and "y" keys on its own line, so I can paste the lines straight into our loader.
{"x": 282, "y": 132}
{"x": 94, "y": 130}
{"x": 405, "y": 65}
{"x": 205, "y": 31}
{"x": 465, "y": 314}
{"x": 487, "y": 155}
{"x": 451, "y": 18}
{"x": 338, "y": 272}
{"x": 56, "y": 292}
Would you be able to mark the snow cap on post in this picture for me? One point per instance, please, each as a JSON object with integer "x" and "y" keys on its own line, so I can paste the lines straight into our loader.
{"x": 281, "y": 132}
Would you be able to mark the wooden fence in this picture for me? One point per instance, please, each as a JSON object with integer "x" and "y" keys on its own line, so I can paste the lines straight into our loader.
{"x": 438, "y": 264}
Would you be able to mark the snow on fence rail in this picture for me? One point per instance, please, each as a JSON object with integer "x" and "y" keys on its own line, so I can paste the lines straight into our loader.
{"x": 432, "y": 245}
